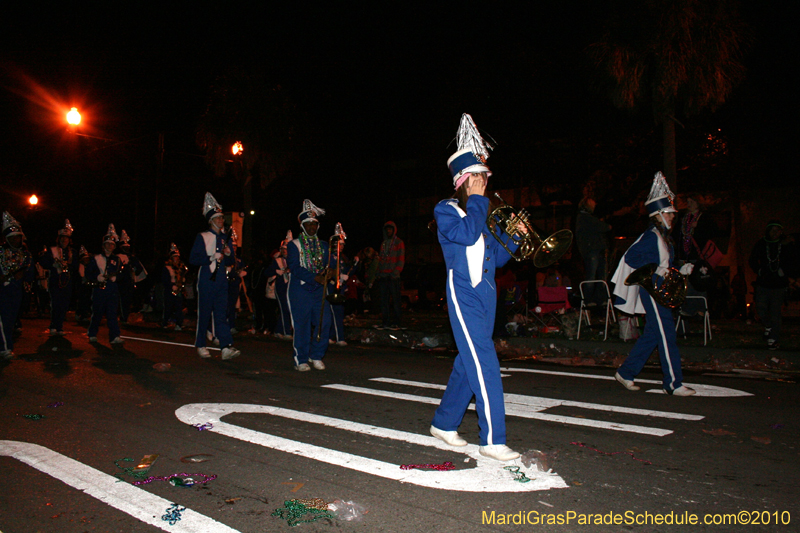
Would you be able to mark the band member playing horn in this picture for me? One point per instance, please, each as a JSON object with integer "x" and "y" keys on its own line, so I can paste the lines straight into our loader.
{"x": 131, "y": 272}
{"x": 471, "y": 257}
{"x": 212, "y": 253}
{"x": 654, "y": 246}
{"x": 62, "y": 262}
{"x": 16, "y": 267}
{"x": 307, "y": 259}
{"x": 173, "y": 278}
{"x": 102, "y": 273}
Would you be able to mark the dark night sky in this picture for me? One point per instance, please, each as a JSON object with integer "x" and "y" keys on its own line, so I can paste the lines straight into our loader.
{"x": 383, "y": 83}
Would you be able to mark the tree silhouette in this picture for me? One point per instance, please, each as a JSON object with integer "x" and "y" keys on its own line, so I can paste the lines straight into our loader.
{"x": 674, "y": 56}
{"x": 245, "y": 106}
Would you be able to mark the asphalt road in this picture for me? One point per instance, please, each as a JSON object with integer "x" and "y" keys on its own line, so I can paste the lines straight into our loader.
{"x": 342, "y": 433}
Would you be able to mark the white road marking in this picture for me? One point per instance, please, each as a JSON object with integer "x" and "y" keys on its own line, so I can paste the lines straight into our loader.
{"x": 540, "y": 404}
{"x": 702, "y": 390}
{"x": 487, "y": 476}
{"x": 513, "y": 410}
{"x": 166, "y": 342}
{"x": 127, "y": 498}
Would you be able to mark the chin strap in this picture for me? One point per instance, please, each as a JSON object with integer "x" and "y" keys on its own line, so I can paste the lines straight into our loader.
{"x": 664, "y": 221}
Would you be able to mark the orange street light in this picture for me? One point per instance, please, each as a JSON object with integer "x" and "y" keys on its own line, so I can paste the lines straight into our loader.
{"x": 33, "y": 200}
{"x": 73, "y": 117}
{"x": 237, "y": 148}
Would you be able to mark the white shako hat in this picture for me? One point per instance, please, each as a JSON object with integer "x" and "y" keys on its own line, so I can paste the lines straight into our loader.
{"x": 309, "y": 212}
{"x": 660, "y": 199}
{"x": 173, "y": 250}
{"x": 211, "y": 207}
{"x": 124, "y": 240}
{"x": 111, "y": 235}
{"x": 10, "y": 225}
{"x": 472, "y": 152}
{"x": 66, "y": 231}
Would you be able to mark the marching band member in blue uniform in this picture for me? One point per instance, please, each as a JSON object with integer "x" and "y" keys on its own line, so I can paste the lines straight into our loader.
{"x": 102, "y": 272}
{"x": 235, "y": 273}
{"x": 62, "y": 262}
{"x": 279, "y": 268}
{"x": 212, "y": 253}
{"x": 307, "y": 259}
{"x": 173, "y": 279}
{"x": 346, "y": 269}
{"x": 471, "y": 255}
{"x": 131, "y": 272}
{"x": 83, "y": 310}
{"x": 16, "y": 266}
{"x": 653, "y": 246}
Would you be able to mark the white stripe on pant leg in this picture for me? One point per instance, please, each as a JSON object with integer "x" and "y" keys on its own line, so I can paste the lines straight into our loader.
{"x": 291, "y": 317}
{"x": 335, "y": 326}
{"x": 664, "y": 342}
{"x": 484, "y": 394}
{"x": 3, "y": 335}
{"x": 199, "y": 306}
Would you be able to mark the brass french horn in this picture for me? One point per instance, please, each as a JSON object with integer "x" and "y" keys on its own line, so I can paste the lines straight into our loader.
{"x": 671, "y": 293}
{"x": 545, "y": 252}
{"x": 333, "y": 297}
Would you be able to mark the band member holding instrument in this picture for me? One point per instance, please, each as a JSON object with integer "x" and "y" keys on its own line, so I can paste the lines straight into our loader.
{"x": 307, "y": 258}
{"x": 471, "y": 257}
{"x": 62, "y": 262}
{"x": 278, "y": 276}
{"x": 102, "y": 272}
{"x": 84, "y": 308}
{"x": 131, "y": 272}
{"x": 654, "y": 246}
{"x": 211, "y": 253}
{"x": 173, "y": 278}
{"x": 16, "y": 267}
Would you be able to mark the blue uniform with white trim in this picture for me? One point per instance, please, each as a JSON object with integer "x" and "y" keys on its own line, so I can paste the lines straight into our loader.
{"x": 471, "y": 255}
{"x": 659, "y": 329}
{"x": 305, "y": 301}
{"x": 103, "y": 270}
{"x": 212, "y": 295}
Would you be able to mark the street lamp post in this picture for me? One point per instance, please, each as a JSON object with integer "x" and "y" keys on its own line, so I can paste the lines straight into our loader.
{"x": 237, "y": 149}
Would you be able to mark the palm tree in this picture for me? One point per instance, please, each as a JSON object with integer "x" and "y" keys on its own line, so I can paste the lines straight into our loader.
{"x": 675, "y": 56}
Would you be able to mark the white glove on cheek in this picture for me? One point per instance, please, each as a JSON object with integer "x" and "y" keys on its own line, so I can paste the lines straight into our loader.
{"x": 687, "y": 269}
{"x": 662, "y": 271}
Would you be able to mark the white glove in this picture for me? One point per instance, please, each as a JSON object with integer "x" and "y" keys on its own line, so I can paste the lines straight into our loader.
{"x": 687, "y": 269}
{"x": 217, "y": 256}
{"x": 704, "y": 270}
{"x": 344, "y": 277}
{"x": 662, "y": 271}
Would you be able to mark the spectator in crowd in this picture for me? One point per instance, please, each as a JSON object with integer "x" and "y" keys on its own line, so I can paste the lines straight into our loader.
{"x": 773, "y": 259}
{"x": 697, "y": 233}
{"x": 591, "y": 236}
{"x": 391, "y": 262}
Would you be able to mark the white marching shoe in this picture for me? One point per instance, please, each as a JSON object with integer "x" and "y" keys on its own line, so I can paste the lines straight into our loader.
{"x": 627, "y": 383}
{"x": 683, "y": 390}
{"x": 316, "y": 363}
{"x": 230, "y": 352}
{"x": 450, "y": 437}
{"x": 501, "y": 452}
{"x": 204, "y": 353}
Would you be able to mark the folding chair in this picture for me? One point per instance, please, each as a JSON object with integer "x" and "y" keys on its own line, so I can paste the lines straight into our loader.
{"x": 553, "y": 301}
{"x": 609, "y": 307}
{"x": 706, "y": 320}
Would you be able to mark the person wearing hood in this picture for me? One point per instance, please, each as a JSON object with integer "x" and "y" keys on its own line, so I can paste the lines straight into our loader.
{"x": 391, "y": 261}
